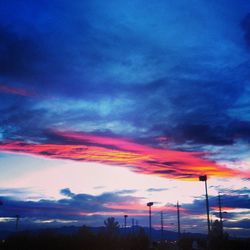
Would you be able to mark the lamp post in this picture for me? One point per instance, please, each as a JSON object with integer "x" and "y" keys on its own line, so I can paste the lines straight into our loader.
{"x": 17, "y": 221}
{"x": 125, "y": 221}
{"x": 150, "y": 204}
{"x": 162, "y": 226}
{"x": 204, "y": 178}
{"x": 220, "y": 214}
{"x": 178, "y": 220}
{"x": 133, "y": 225}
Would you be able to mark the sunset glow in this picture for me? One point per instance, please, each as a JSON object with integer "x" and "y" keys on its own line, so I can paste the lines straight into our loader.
{"x": 109, "y": 105}
{"x": 141, "y": 158}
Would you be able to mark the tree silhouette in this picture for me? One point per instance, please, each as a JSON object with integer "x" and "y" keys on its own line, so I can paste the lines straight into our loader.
{"x": 216, "y": 230}
{"x": 217, "y": 239}
{"x": 111, "y": 225}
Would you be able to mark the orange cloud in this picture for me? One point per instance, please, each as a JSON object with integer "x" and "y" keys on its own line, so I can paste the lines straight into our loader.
{"x": 140, "y": 158}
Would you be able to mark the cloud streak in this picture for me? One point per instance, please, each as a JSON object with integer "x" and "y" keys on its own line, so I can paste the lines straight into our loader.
{"x": 121, "y": 152}
{"x": 15, "y": 91}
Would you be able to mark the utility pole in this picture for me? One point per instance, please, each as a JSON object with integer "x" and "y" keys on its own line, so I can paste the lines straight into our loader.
{"x": 162, "y": 226}
{"x": 220, "y": 213}
{"x": 204, "y": 178}
{"x": 125, "y": 222}
{"x": 17, "y": 221}
{"x": 137, "y": 223}
{"x": 178, "y": 219}
{"x": 133, "y": 225}
{"x": 150, "y": 204}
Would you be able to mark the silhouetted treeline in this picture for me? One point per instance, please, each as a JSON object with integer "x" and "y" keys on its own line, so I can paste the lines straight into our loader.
{"x": 106, "y": 239}
{"x": 84, "y": 239}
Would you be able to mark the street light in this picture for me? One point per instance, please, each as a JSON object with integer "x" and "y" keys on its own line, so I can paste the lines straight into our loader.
{"x": 178, "y": 219}
{"x": 125, "y": 221}
{"x": 204, "y": 178}
{"x": 150, "y": 204}
{"x": 162, "y": 226}
{"x": 17, "y": 221}
{"x": 220, "y": 214}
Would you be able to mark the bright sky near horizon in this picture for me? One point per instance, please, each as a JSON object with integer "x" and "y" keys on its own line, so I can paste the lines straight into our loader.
{"x": 106, "y": 105}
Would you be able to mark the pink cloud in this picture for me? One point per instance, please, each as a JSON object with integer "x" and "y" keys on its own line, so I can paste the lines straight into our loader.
{"x": 121, "y": 152}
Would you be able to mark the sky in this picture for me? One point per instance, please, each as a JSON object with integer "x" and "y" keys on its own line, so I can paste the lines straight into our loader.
{"x": 107, "y": 105}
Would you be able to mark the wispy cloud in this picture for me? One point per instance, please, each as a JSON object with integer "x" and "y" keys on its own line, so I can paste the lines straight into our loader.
{"x": 140, "y": 158}
{"x": 156, "y": 189}
{"x": 15, "y": 91}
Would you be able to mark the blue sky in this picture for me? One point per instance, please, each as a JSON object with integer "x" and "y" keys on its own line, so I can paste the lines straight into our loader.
{"x": 136, "y": 98}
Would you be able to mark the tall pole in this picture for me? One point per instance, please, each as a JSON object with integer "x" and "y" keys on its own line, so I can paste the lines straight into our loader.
{"x": 133, "y": 225}
{"x": 204, "y": 178}
{"x": 125, "y": 222}
{"x": 150, "y": 224}
{"x": 17, "y": 221}
{"x": 162, "y": 226}
{"x": 220, "y": 213}
{"x": 178, "y": 219}
{"x": 207, "y": 205}
{"x": 150, "y": 204}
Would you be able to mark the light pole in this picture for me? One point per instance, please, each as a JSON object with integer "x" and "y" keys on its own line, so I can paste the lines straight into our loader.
{"x": 17, "y": 221}
{"x": 220, "y": 213}
{"x": 125, "y": 222}
{"x": 162, "y": 226}
{"x": 204, "y": 178}
{"x": 178, "y": 219}
{"x": 150, "y": 204}
{"x": 133, "y": 225}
